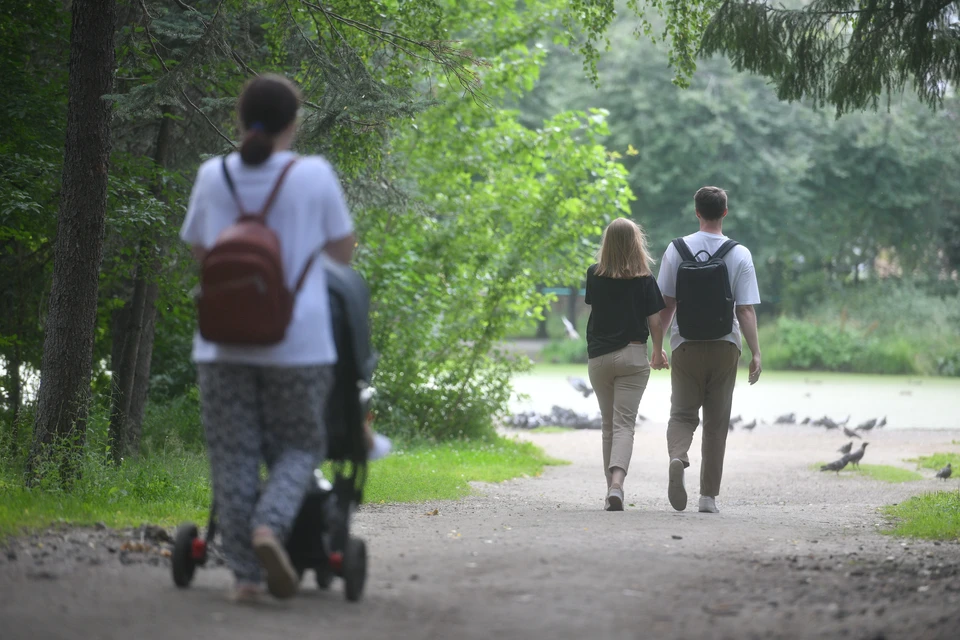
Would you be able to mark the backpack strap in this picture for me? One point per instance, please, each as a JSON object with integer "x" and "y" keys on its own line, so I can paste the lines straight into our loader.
{"x": 262, "y": 216}
{"x": 724, "y": 249}
{"x": 683, "y": 250}
{"x": 306, "y": 268}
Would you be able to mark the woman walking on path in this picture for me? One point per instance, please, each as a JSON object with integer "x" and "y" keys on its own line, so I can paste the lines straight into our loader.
{"x": 265, "y": 402}
{"x": 625, "y": 304}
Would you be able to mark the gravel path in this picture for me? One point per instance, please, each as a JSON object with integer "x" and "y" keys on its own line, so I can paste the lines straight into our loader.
{"x": 793, "y": 554}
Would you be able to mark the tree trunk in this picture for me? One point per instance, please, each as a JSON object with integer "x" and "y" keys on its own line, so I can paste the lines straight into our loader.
{"x": 15, "y": 394}
{"x": 125, "y": 373}
{"x": 141, "y": 381}
{"x": 64, "y": 394}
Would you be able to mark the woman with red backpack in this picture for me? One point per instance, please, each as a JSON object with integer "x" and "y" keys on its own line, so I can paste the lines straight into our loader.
{"x": 264, "y": 350}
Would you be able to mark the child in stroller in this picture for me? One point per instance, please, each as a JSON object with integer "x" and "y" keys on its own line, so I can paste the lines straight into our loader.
{"x": 320, "y": 539}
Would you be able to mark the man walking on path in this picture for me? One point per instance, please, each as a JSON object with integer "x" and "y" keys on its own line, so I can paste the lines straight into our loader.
{"x": 709, "y": 286}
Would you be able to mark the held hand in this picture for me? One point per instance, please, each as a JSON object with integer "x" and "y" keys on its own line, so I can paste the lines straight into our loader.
{"x": 755, "y": 369}
{"x": 660, "y": 361}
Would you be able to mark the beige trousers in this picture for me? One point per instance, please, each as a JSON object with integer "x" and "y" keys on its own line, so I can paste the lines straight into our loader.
{"x": 703, "y": 374}
{"x": 619, "y": 380}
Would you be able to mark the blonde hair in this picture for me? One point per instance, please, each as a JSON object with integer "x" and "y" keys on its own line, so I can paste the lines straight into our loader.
{"x": 623, "y": 251}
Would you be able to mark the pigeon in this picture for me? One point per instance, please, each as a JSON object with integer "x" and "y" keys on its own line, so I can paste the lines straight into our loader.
{"x": 836, "y": 465}
{"x": 827, "y": 423}
{"x": 580, "y": 385}
{"x": 882, "y": 423}
{"x": 846, "y": 448}
{"x": 790, "y": 418}
{"x": 946, "y": 472}
{"x": 571, "y": 330}
{"x": 736, "y": 420}
{"x": 750, "y": 426}
{"x": 869, "y": 424}
{"x": 850, "y": 433}
{"x": 806, "y": 421}
{"x": 857, "y": 455}
{"x": 845, "y": 422}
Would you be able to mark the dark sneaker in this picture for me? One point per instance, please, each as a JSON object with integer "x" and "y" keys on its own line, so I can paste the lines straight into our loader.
{"x": 615, "y": 499}
{"x": 676, "y": 491}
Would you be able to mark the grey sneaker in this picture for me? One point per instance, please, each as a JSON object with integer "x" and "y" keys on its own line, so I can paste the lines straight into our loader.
{"x": 615, "y": 498}
{"x": 676, "y": 490}
{"x": 708, "y": 505}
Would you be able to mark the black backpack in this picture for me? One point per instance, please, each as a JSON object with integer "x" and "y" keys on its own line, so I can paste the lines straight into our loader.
{"x": 704, "y": 298}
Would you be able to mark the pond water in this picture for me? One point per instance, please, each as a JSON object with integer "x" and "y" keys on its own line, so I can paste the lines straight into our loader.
{"x": 907, "y": 402}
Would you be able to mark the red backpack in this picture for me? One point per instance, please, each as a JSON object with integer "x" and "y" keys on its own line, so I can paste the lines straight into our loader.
{"x": 243, "y": 297}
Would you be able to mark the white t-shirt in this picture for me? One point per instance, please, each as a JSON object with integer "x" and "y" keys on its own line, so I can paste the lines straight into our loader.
{"x": 743, "y": 277}
{"x": 309, "y": 212}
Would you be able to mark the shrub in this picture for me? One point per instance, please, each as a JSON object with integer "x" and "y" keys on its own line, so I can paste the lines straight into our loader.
{"x": 173, "y": 424}
{"x": 800, "y": 345}
{"x": 565, "y": 352}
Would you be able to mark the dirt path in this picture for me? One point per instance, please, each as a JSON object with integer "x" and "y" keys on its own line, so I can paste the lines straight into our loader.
{"x": 793, "y": 554}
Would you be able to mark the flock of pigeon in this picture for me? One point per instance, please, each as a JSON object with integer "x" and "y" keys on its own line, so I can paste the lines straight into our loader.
{"x": 850, "y": 457}
{"x": 826, "y": 422}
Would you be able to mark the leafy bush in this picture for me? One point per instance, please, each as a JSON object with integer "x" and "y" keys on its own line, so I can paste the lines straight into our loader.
{"x": 174, "y": 424}
{"x": 949, "y": 364}
{"x": 801, "y": 345}
{"x": 507, "y": 208}
{"x": 565, "y": 352}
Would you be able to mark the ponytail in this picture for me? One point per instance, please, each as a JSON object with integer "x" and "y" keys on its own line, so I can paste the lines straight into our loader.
{"x": 256, "y": 147}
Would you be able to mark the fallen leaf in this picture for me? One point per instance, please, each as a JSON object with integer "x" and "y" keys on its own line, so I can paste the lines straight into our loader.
{"x": 435, "y": 512}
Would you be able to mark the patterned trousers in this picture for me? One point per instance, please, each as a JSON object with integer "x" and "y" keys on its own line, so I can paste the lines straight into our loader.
{"x": 252, "y": 414}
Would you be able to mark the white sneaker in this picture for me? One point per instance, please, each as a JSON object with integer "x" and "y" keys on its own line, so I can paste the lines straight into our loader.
{"x": 708, "y": 505}
{"x": 676, "y": 490}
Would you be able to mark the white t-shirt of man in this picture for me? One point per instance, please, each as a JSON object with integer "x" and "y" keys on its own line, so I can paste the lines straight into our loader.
{"x": 309, "y": 212}
{"x": 743, "y": 278}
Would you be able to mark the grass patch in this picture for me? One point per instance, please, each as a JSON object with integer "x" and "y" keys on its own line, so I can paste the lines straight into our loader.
{"x": 932, "y": 516}
{"x": 881, "y": 472}
{"x": 551, "y": 430}
{"x": 937, "y": 461}
{"x": 443, "y": 472}
{"x": 167, "y": 489}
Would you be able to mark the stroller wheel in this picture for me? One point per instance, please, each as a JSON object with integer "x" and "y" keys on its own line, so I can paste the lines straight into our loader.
{"x": 325, "y": 578}
{"x": 354, "y": 568}
{"x": 183, "y": 561}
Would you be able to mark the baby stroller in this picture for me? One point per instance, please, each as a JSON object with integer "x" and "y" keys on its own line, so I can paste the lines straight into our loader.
{"x": 320, "y": 538}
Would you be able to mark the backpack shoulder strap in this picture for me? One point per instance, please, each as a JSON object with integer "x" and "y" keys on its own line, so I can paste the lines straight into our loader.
{"x": 683, "y": 250}
{"x": 232, "y": 187}
{"x": 262, "y": 215}
{"x": 276, "y": 189}
{"x": 724, "y": 249}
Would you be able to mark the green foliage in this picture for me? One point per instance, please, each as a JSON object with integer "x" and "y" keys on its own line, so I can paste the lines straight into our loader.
{"x": 937, "y": 461}
{"x": 504, "y": 208}
{"x": 801, "y": 345}
{"x": 563, "y": 351}
{"x": 173, "y": 424}
{"x": 822, "y": 204}
{"x": 930, "y": 516}
{"x": 845, "y": 53}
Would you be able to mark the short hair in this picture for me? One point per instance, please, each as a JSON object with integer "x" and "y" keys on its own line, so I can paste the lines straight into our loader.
{"x": 711, "y": 202}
